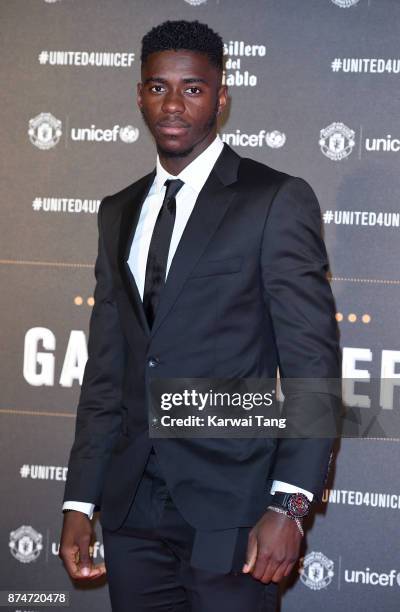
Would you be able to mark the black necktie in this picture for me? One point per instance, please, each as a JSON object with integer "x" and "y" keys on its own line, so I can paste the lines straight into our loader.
{"x": 158, "y": 252}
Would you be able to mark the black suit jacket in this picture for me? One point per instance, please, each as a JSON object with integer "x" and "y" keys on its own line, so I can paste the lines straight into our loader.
{"x": 246, "y": 292}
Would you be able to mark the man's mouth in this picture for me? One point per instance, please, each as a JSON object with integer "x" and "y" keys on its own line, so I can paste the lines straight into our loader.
{"x": 172, "y": 128}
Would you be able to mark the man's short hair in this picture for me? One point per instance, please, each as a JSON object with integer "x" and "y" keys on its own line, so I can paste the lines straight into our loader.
{"x": 187, "y": 35}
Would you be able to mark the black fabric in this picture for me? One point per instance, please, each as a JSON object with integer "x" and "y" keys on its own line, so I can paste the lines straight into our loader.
{"x": 158, "y": 251}
{"x": 215, "y": 550}
{"x": 153, "y": 559}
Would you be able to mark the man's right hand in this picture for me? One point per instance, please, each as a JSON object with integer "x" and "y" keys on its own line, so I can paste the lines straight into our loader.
{"x": 76, "y": 536}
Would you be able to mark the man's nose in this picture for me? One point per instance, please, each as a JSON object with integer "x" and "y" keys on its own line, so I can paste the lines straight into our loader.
{"x": 173, "y": 103}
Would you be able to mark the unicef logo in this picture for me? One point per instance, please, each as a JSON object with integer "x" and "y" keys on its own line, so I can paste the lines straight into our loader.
{"x": 44, "y": 131}
{"x": 195, "y": 2}
{"x": 275, "y": 139}
{"x": 336, "y": 141}
{"x": 316, "y": 571}
{"x": 129, "y": 134}
{"x": 25, "y": 544}
{"x": 345, "y": 3}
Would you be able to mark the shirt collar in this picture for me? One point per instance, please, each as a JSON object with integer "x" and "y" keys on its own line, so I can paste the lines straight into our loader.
{"x": 196, "y": 173}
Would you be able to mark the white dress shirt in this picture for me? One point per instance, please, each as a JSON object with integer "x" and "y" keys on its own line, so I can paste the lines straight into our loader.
{"x": 194, "y": 176}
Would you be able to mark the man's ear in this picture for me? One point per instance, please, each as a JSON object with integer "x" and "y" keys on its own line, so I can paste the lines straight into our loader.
{"x": 222, "y": 98}
{"x": 139, "y": 89}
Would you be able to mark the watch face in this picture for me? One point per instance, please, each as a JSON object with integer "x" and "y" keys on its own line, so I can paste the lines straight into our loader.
{"x": 298, "y": 505}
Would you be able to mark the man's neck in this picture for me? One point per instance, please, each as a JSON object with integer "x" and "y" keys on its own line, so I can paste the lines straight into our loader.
{"x": 175, "y": 165}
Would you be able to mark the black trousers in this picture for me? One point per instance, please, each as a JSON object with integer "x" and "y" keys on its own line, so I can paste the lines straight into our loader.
{"x": 158, "y": 561}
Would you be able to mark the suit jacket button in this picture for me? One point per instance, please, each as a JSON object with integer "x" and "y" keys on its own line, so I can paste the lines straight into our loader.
{"x": 153, "y": 362}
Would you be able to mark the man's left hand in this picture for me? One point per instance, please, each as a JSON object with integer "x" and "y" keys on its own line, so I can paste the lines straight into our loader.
{"x": 273, "y": 547}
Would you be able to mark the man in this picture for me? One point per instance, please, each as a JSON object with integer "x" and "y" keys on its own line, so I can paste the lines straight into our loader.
{"x": 211, "y": 266}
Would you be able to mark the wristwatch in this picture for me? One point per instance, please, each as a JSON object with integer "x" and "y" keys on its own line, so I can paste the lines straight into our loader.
{"x": 297, "y": 504}
{"x": 293, "y": 505}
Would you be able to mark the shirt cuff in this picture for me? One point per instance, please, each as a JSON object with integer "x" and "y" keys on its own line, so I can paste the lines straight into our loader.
{"x": 85, "y": 507}
{"x": 285, "y": 487}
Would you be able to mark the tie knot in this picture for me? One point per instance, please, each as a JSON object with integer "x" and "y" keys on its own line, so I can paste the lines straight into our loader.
{"x": 173, "y": 186}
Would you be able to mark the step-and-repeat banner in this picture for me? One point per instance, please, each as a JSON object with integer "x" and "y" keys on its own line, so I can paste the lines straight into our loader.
{"x": 314, "y": 92}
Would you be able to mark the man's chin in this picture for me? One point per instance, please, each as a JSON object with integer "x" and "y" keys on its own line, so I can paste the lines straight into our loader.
{"x": 174, "y": 152}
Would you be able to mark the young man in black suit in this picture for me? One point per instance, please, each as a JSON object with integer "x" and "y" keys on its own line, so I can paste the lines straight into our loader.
{"x": 211, "y": 266}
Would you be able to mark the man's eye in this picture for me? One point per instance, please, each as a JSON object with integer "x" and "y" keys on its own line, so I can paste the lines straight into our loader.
{"x": 157, "y": 88}
{"x": 193, "y": 90}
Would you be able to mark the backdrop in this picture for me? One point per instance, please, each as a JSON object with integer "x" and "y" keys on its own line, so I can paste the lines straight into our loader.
{"x": 314, "y": 92}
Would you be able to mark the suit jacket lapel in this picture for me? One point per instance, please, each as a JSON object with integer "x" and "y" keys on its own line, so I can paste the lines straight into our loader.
{"x": 211, "y": 205}
{"x": 129, "y": 221}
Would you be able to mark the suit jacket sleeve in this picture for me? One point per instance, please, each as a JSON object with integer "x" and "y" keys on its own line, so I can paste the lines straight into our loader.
{"x": 98, "y": 419}
{"x": 300, "y": 303}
